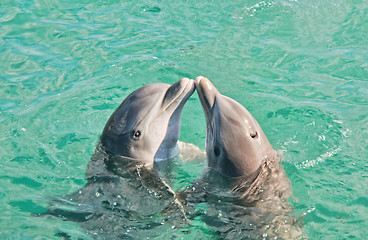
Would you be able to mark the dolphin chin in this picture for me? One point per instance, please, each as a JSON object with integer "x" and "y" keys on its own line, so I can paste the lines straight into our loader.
{"x": 235, "y": 143}
{"x": 146, "y": 126}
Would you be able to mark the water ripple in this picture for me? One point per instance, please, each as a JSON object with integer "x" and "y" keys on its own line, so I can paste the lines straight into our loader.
{"x": 300, "y": 67}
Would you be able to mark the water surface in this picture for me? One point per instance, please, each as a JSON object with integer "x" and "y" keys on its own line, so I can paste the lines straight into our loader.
{"x": 300, "y": 67}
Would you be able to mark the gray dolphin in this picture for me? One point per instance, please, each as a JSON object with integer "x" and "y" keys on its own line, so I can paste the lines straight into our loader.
{"x": 124, "y": 198}
{"x": 146, "y": 126}
{"x": 235, "y": 143}
{"x": 245, "y": 182}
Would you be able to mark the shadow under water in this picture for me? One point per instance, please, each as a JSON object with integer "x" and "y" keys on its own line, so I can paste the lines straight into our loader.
{"x": 121, "y": 200}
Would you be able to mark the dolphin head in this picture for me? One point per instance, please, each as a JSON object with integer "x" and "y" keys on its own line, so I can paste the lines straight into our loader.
{"x": 235, "y": 143}
{"x": 146, "y": 126}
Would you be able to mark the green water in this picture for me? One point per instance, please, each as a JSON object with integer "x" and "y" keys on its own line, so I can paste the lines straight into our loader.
{"x": 300, "y": 67}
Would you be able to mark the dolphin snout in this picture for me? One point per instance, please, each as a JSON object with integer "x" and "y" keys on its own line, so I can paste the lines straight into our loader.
{"x": 185, "y": 81}
{"x": 204, "y": 83}
{"x": 199, "y": 78}
{"x": 187, "y": 85}
{"x": 206, "y": 91}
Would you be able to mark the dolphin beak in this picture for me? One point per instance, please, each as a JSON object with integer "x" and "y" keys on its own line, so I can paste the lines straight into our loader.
{"x": 188, "y": 86}
{"x": 206, "y": 92}
{"x": 178, "y": 93}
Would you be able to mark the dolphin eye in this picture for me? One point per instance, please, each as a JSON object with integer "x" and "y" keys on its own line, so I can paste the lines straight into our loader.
{"x": 137, "y": 134}
{"x": 253, "y": 134}
{"x": 216, "y": 151}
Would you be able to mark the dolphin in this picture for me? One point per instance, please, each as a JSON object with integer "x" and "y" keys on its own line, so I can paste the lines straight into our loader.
{"x": 124, "y": 196}
{"x": 146, "y": 126}
{"x": 245, "y": 185}
{"x": 235, "y": 142}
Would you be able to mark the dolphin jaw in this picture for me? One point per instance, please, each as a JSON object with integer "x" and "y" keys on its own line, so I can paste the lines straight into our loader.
{"x": 168, "y": 147}
{"x": 163, "y": 153}
{"x": 187, "y": 88}
{"x": 207, "y": 94}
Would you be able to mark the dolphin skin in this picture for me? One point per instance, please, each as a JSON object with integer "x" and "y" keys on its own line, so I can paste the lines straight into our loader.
{"x": 125, "y": 197}
{"x": 235, "y": 143}
{"x": 146, "y": 126}
{"x": 245, "y": 186}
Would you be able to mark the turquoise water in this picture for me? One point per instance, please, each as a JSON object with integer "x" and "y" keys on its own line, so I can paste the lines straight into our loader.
{"x": 300, "y": 67}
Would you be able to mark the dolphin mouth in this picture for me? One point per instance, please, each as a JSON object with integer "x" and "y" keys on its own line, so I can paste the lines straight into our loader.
{"x": 188, "y": 89}
{"x": 206, "y": 92}
{"x": 179, "y": 93}
{"x": 173, "y": 103}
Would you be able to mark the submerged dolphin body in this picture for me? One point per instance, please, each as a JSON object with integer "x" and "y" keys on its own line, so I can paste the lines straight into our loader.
{"x": 245, "y": 186}
{"x": 125, "y": 197}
